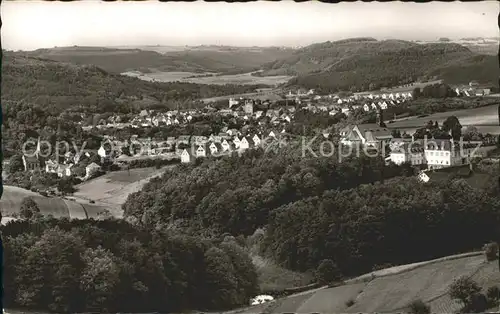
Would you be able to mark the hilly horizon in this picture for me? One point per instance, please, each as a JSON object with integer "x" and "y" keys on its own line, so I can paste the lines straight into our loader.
{"x": 358, "y": 63}
{"x": 353, "y": 64}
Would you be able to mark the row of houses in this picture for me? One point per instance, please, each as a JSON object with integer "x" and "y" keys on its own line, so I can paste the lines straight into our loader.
{"x": 431, "y": 153}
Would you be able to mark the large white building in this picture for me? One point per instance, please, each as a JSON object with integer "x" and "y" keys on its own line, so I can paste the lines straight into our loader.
{"x": 433, "y": 152}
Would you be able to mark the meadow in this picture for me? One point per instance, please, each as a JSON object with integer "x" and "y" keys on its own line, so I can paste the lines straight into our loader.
{"x": 484, "y": 118}
{"x": 390, "y": 290}
{"x": 12, "y": 197}
{"x": 237, "y": 79}
{"x": 112, "y": 189}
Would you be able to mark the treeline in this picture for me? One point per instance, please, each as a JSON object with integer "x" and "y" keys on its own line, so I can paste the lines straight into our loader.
{"x": 396, "y": 222}
{"x": 110, "y": 266}
{"x": 236, "y": 195}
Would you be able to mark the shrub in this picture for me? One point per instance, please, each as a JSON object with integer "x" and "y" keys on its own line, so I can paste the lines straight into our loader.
{"x": 491, "y": 251}
{"x": 419, "y": 307}
{"x": 327, "y": 272}
{"x": 493, "y": 293}
{"x": 464, "y": 289}
{"x": 349, "y": 303}
{"x": 478, "y": 304}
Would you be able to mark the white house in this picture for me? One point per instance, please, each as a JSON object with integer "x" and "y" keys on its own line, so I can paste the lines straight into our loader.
{"x": 236, "y": 142}
{"x": 201, "y": 151}
{"x": 186, "y": 156}
{"x": 423, "y": 177}
{"x": 383, "y": 105}
{"x": 271, "y": 134}
{"x": 225, "y": 146}
{"x": 366, "y": 107}
{"x": 256, "y": 140}
{"x": 374, "y": 106}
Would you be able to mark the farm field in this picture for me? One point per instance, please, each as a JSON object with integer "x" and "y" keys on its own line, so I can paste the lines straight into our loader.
{"x": 484, "y": 118}
{"x": 113, "y": 188}
{"x": 238, "y": 79}
{"x": 10, "y": 204}
{"x": 391, "y": 293}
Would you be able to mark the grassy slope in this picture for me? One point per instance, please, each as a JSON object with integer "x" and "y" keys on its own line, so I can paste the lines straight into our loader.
{"x": 393, "y": 292}
{"x": 113, "y": 188}
{"x": 12, "y": 197}
{"x": 189, "y": 60}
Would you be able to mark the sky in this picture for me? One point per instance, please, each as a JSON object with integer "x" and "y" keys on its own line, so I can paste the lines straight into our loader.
{"x": 28, "y": 25}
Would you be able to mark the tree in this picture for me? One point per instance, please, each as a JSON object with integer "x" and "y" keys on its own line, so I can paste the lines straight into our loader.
{"x": 29, "y": 208}
{"x": 327, "y": 272}
{"x": 452, "y": 124}
{"x": 419, "y": 307}
{"x": 16, "y": 164}
{"x": 417, "y": 93}
{"x": 464, "y": 289}
{"x": 100, "y": 267}
{"x": 65, "y": 185}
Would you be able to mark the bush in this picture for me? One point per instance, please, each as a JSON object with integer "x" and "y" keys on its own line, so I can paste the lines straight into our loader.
{"x": 493, "y": 293}
{"x": 491, "y": 251}
{"x": 419, "y": 307}
{"x": 349, "y": 303}
{"x": 327, "y": 272}
{"x": 478, "y": 304}
{"x": 465, "y": 290}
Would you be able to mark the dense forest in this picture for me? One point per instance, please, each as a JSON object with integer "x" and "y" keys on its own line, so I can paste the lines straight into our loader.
{"x": 110, "y": 266}
{"x": 87, "y": 88}
{"x": 358, "y": 212}
{"x": 236, "y": 195}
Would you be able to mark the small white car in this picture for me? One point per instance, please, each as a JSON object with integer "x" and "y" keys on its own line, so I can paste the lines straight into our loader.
{"x": 261, "y": 299}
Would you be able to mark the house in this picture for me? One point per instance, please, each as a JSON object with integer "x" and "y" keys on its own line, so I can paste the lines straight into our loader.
{"x": 201, "y": 151}
{"x": 233, "y": 102}
{"x": 51, "y": 166}
{"x": 374, "y": 106}
{"x": 246, "y": 143}
{"x": 372, "y": 135}
{"x": 233, "y": 132}
{"x": 366, "y": 107}
{"x": 272, "y": 134}
{"x": 248, "y": 107}
{"x": 442, "y": 153}
{"x": 215, "y": 149}
{"x": 383, "y": 105}
{"x": 256, "y": 140}
{"x": 91, "y": 169}
{"x": 187, "y": 156}
{"x": 423, "y": 177}
{"x": 226, "y": 147}
{"x": 258, "y": 114}
{"x": 64, "y": 170}
{"x": 34, "y": 161}
{"x": 407, "y": 150}
{"x": 183, "y": 139}
{"x": 236, "y": 142}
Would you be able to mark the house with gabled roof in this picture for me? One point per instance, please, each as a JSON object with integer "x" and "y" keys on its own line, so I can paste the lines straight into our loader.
{"x": 246, "y": 143}
{"x": 366, "y": 135}
{"x": 226, "y": 146}
{"x": 374, "y": 106}
{"x": 366, "y": 107}
{"x": 187, "y": 156}
{"x": 236, "y": 142}
{"x": 256, "y": 140}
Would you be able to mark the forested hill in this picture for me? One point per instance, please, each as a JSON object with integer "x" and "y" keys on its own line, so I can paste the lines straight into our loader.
{"x": 58, "y": 86}
{"x": 356, "y": 212}
{"x": 365, "y": 63}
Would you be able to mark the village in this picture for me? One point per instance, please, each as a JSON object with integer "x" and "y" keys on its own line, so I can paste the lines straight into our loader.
{"x": 270, "y": 118}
